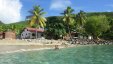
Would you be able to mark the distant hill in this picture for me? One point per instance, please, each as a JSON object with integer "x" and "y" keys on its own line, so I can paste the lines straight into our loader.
{"x": 108, "y": 14}
{"x": 1, "y": 22}
{"x": 21, "y": 22}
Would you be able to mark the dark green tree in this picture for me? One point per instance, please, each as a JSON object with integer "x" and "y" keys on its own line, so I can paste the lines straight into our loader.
{"x": 55, "y": 27}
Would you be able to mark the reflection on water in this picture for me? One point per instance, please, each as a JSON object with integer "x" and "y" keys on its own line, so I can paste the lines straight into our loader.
{"x": 78, "y": 55}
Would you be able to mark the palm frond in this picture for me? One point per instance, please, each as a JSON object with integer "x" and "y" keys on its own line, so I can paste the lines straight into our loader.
{"x": 32, "y": 21}
{"x": 36, "y": 16}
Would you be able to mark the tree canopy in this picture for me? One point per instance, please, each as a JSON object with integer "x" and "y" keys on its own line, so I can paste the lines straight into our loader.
{"x": 55, "y": 27}
{"x": 96, "y": 25}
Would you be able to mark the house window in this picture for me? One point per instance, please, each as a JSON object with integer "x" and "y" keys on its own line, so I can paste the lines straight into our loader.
{"x": 42, "y": 34}
{"x": 33, "y": 34}
{"x": 26, "y": 29}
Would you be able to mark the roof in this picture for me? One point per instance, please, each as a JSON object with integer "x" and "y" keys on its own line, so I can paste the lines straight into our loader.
{"x": 34, "y": 29}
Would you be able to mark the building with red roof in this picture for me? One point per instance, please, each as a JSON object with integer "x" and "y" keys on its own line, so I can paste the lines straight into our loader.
{"x": 30, "y": 33}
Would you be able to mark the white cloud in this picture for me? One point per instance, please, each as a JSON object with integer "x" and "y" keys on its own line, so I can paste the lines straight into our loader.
{"x": 10, "y": 11}
{"x": 59, "y": 4}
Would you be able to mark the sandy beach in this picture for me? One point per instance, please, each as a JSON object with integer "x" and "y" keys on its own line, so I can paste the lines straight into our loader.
{"x": 22, "y": 48}
{"x": 11, "y": 46}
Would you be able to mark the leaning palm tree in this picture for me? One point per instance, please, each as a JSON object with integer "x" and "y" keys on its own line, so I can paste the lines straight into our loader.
{"x": 36, "y": 17}
{"x": 68, "y": 19}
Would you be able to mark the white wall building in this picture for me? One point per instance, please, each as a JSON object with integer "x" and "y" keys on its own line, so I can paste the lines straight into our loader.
{"x": 30, "y": 33}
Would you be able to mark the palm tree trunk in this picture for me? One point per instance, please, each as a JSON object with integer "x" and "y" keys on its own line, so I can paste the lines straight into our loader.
{"x": 36, "y": 33}
{"x": 69, "y": 33}
{"x": 36, "y": 36}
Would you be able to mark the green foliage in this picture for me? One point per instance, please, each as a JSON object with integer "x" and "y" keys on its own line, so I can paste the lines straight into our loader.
{"x": 16, "y": 27}
{"x": 109, "y": 33}
{"x": 107, "y": 14}
{"x": 1, "y": 28}
{"x": 55, "y": 27}
{"x": 96, "y": 25}
{"x": 68, "y": 16}
{"x": 36, "y": 17}
{"x": 80, "y": 21}
{"x": 81, "y": 18}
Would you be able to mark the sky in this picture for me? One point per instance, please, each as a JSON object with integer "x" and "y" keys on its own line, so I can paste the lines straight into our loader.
{"x": 16, "y": 10}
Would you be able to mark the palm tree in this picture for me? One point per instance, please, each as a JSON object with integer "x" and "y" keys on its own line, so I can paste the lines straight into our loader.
{"x": 68, "y": 18}
{"x": 36, "y": 17}
{"x": 80, "y": 20}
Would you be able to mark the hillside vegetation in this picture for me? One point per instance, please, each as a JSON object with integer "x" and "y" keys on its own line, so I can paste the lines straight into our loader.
{"x": 59, "y": 28}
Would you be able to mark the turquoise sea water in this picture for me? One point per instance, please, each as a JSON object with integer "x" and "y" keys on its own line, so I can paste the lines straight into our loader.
{"x": 98, "y": 54}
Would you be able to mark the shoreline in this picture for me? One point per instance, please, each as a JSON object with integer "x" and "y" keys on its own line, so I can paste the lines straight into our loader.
{"x": 26, "y": 48}
{"x": 4, "y": 49}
